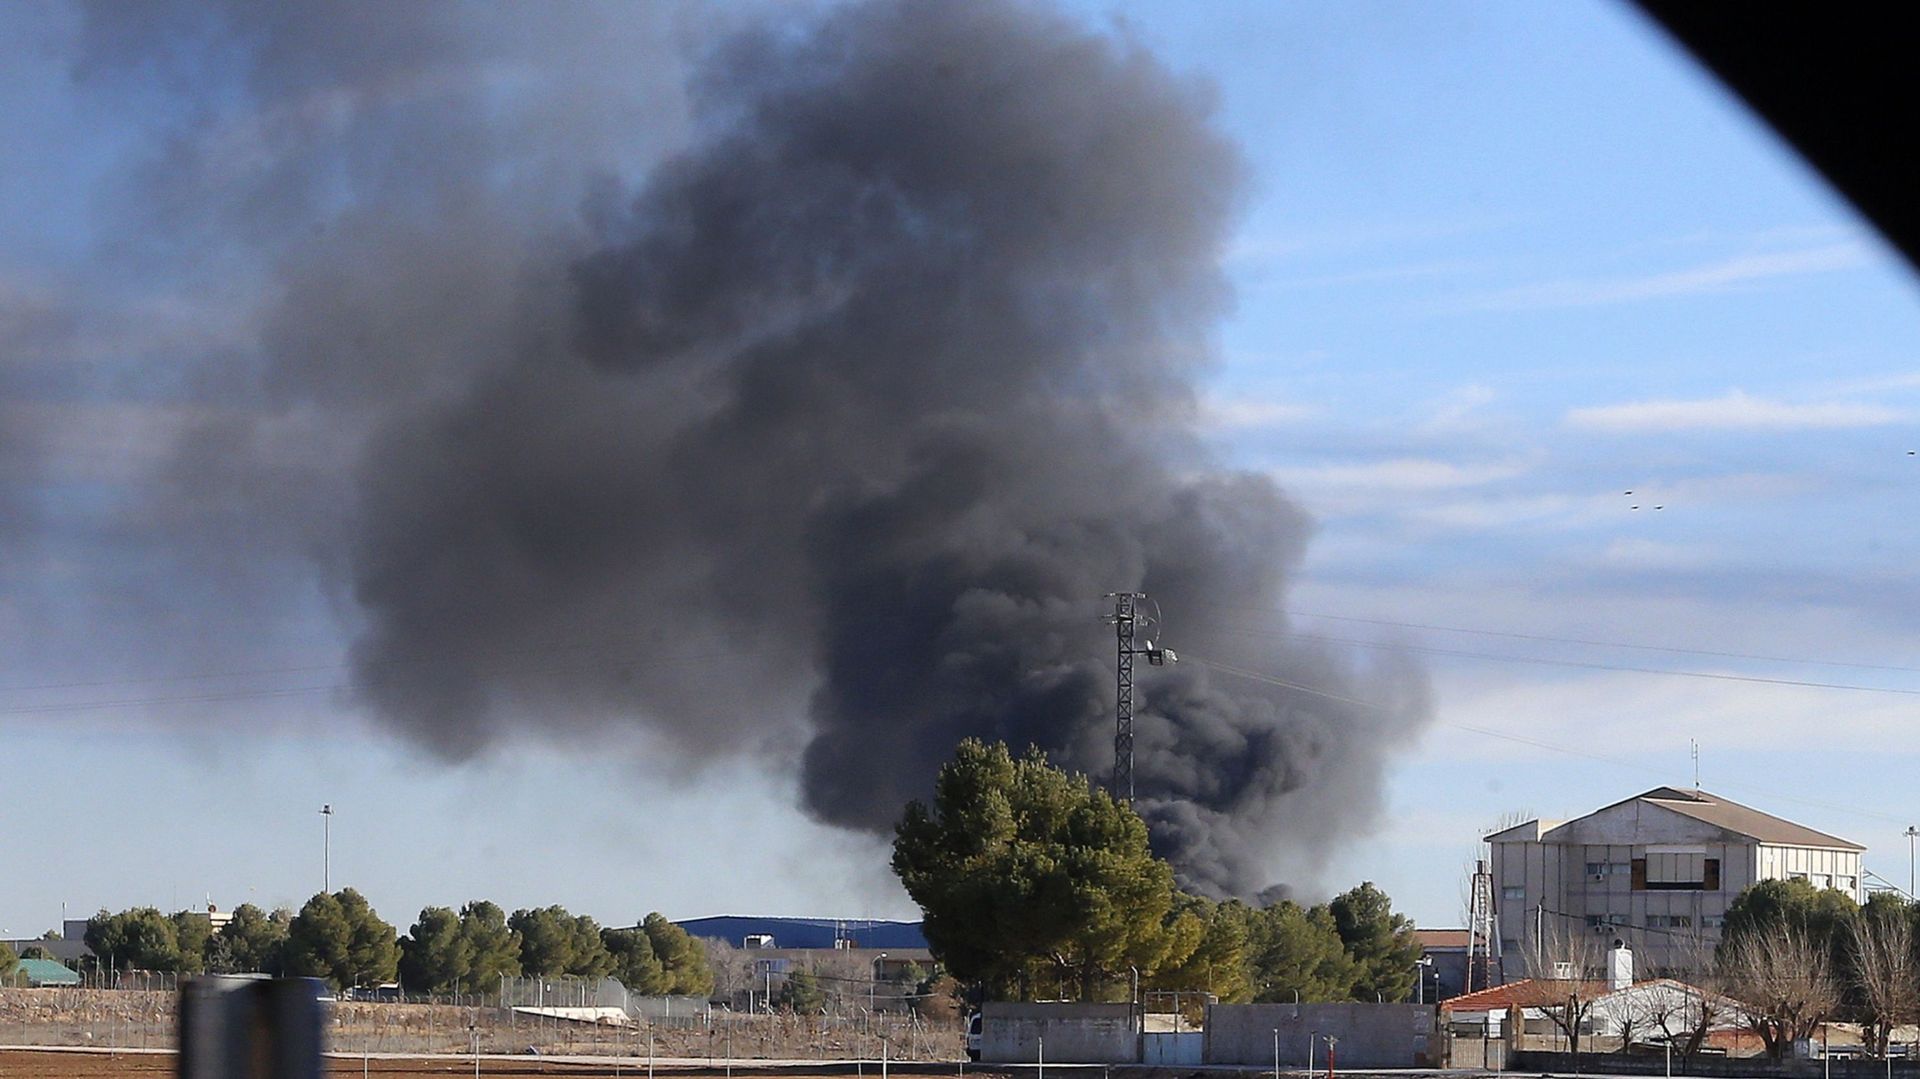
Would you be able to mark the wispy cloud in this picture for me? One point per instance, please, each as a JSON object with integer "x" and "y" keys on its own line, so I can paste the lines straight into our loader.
{"x": 1453, "y": 411}
{"x": 1734, "y": 410}
{"x": 1634, "y": 553}
{"x": 1264, "y": 247}
{"x": 1400, "y": 474}
{"x": 1722, "y": 276}
{"x": 1376, "y": 275}
{"x": 1243, "y": 414}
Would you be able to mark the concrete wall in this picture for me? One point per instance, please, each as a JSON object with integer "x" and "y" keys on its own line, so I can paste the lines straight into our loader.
{"x": 1073, "y": 1033}
{"x": 1370, "y": 1035}
{"x": 1705, "y": 1065}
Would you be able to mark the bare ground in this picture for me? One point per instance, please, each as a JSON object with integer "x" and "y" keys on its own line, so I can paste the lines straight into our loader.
{"x": 104, "y": 1065}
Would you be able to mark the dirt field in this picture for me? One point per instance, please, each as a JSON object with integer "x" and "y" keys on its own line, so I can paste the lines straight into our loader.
{"x": 154, "y": 1065}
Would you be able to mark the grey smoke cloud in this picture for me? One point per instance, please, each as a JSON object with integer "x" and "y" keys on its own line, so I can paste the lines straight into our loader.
{"x": 819, "y": 435}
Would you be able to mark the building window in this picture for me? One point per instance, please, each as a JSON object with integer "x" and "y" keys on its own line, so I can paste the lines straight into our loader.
{"x": 1845, "y": 884}
{"x": 1669, "y": 921}
{"x": 1676, "y": 871}
{"x": 1821, "y": 881}
{"x": 1713, "y": 921}
{"x": 1594, "y": 921}
{"x": 1514, "y": 891}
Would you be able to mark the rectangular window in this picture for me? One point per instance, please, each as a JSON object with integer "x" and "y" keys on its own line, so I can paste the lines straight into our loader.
{"x": 1594, "y": 921}
{"x": 1712, "y": 875}
{"x": 1596, "y": 869}
{"x": 1713, "y": 921}
{"x": 1678, "y": 870}
{"x": 1821, "y": 881}
{"x": 1845, "y": 884}
{"x": 1514, "y": 891}
{"x": 1639, "y": 874}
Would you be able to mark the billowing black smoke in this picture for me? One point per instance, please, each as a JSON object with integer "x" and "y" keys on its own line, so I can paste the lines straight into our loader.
{"x": 831, "y": 432}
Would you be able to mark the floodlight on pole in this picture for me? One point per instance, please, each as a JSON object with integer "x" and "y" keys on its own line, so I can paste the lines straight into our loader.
{"x": 1125, "y": 618}
{"x": 1910, "y": 833}
{"x": 326, "y": 848}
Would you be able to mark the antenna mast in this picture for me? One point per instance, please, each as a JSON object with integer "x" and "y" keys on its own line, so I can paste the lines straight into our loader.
{"x": 1126, "y": 615}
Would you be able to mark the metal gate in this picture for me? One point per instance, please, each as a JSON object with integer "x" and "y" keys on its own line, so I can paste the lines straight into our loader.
{"x": 1168, "y": 1050}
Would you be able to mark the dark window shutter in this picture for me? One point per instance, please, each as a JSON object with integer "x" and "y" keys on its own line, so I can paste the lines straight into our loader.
{"x": 1639, "y": 874}
{"x": 1711, "y": 881}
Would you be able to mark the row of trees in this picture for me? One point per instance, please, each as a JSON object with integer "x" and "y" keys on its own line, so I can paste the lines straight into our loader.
{"x": 1790, "y": 958}
{"x": 1796, "y": 956}
{"x": 1036, "y": 882}
{"x": 339, "y": 937}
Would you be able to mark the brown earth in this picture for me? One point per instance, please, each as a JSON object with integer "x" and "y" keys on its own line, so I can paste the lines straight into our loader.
{"x": 23, "y": 1063}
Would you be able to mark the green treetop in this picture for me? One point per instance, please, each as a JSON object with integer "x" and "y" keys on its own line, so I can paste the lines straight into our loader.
{"x": 1030, "y": 875}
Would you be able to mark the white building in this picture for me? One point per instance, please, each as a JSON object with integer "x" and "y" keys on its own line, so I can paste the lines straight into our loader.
{"x": 1656, "y": 871}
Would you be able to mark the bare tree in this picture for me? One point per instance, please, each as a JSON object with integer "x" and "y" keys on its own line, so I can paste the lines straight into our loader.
{"x": 732, "y": 968}
{"x": 1785, "y": 982}
{"x": 1562, "y": 957}
{"x": 1685, "y": 1013}
{"x": 846, "y": 978}
{"x": 1880, "y": 944}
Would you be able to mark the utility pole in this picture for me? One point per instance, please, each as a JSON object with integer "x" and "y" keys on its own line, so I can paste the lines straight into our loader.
{"x": 1126, "y": 615}
{"x": 326, "y": 849}
{"x": 1910, "y": 833}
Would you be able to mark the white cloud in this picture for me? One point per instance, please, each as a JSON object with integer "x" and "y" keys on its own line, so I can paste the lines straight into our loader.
{"x": 1711, "y": 277}
{"x": 1254, "y": 249}
{"x": 1734, "y": 410}
{"x": 1508, "y": 511}
{"x": 1242, "y": 414}
{"x": 1452, "y": 411}
{"x": 1636, "y": 553}
{"x": 1400, "y": 474}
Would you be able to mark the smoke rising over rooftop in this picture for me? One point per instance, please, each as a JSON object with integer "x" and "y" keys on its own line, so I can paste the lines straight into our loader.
{"x": 825, "y": 425}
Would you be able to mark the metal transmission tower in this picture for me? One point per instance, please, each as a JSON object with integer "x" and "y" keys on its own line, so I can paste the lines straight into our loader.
{"x": 1481, "y": 936}
{"x": 1126, "y": 615}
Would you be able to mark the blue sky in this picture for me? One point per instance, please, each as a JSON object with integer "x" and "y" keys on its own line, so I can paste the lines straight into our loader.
{"x": 1502, "y": 263}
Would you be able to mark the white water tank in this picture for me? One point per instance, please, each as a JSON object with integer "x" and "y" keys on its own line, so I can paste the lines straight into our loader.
{"x": 1619, "y": 966}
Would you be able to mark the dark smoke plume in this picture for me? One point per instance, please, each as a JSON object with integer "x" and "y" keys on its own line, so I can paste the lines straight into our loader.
{"x": 829, "y": 434}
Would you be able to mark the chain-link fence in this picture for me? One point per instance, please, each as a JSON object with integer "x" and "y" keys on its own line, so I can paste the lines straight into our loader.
{"x": 679, "y": 1027}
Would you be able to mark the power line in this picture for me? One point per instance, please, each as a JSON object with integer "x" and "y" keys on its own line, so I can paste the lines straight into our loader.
{"x": 1540, "y": 661}
{"x": 1771, "y": 793}
{"x": 1591, "y": 642}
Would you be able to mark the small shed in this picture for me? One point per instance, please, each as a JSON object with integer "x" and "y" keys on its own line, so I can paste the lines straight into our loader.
{"x": 41, "y": 973}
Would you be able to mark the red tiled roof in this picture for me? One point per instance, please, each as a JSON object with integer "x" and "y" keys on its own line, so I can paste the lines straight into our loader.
{"x": 1527, "y": 993}
{"x": 1441, "y": 938}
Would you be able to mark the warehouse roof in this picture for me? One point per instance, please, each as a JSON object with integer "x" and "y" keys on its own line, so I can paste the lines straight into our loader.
{"x": 1745, "y": 820}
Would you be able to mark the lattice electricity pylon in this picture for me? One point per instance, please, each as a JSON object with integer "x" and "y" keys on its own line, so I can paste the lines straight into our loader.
{"x": 1126, "y": 615}
{"x": 1480, "y": 928}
